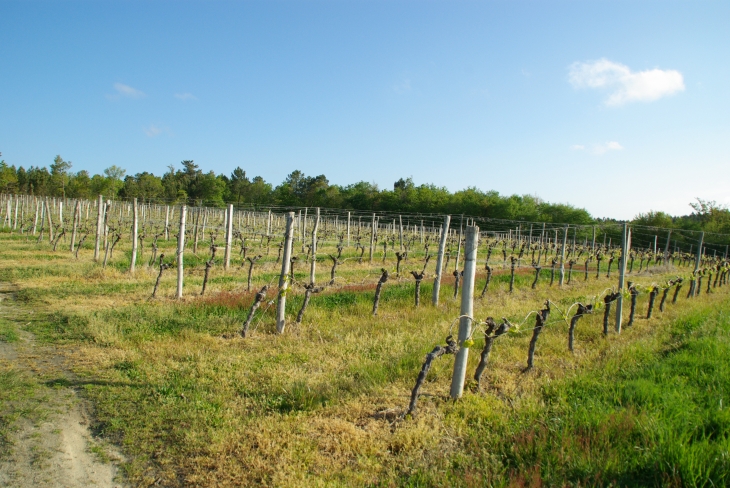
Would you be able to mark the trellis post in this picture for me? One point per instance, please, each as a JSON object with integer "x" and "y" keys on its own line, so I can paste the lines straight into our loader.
{"x": 180, "y": 250}
{"x": 99, "y": 212}
{"x": 229, "y": 236}
{"x": 440, "y": 260}
{"x": 625, "y": 246}
{"x": 467, "y": 310}
{"x": 284, "y": 277}
{"x": 135, "y": 229}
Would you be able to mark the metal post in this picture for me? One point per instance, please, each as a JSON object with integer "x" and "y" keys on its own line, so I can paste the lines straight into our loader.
{"x": 625, "y": 246}
{"x": 467, "y": 310}
{"x": 284, "y": 277}
{"x": 180, "y": 249}
{"x": 440, "y": 259}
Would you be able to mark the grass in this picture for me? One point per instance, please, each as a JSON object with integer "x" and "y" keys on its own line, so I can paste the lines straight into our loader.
{"x": 191, "y": 403}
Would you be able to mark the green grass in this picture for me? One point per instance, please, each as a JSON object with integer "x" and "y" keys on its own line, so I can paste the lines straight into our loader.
{"x": 8, "y": 331}
{"x": 17, "y": 392}
{"x": 650, "y": 415}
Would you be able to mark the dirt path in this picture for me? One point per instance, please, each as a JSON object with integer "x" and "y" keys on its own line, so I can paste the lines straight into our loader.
{"x": 48, "y": 442}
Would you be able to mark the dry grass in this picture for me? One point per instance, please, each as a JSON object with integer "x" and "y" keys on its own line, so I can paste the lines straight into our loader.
{"x": 316, "y": 405}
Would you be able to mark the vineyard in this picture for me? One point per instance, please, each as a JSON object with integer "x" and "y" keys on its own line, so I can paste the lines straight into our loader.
{"x": 311, "y": 346}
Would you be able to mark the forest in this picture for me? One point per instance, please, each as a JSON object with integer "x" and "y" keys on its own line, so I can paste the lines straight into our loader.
{"x": 190, "y": 184}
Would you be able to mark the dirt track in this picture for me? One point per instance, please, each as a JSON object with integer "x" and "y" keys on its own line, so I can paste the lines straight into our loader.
{"x": 50, "y": 444}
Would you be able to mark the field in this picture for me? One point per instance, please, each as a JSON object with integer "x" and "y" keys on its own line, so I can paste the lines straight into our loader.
{"x": 189, "y": 402}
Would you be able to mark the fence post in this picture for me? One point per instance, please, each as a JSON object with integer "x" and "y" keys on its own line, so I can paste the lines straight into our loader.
{"x": 97, "y": 241}
{"x": 697, "y": 263}
{"x": 440, "y": 260}
{"x": 135, "y": 231}
{"x": 180, "y": 249}
{"x": 284, "y": 277}
{"x": 35, "y": 220}
{"x": 400, "y": 231}
{"x": 167, "y": 222}
{"x": 458, "y": 247}
{"x": 562, "y": 255}
{"x": 49, "y": 213}
{"x": 313, "y": 267}
{"x": 666, "y": 248}
{"x": 467, "y": 310}
{"x": 372, "y": 239}
{"x": 229, "y": 237}
{"x": 77, "y": 217}
{"x": 625, "y": 246}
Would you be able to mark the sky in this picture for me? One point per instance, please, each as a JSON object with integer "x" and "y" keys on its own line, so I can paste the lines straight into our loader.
{"x": 619, "y": 107}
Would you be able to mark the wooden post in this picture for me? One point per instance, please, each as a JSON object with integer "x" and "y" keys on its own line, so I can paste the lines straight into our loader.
{"x": 593, "y": 245}
{"x": 348, "y": 229}
{"x": 35, "y": 220}
{"x": 229, "y": 237}
{"x": 313, "y": 268}
{"x": 167, "y": 222}
{"x": 135, "y": 230}
{"x": 440, "y": 260}
{"x": 77, "y": 217}
{"x": 180, "y": 249}
{"x": 372, "y": 239}
{"x": 467, "y": 310}
{"x": 304, "y": 227}
{"x": 666, "y": 248}
{"x": 698, "y": 260}
{"x": 625, "y": 246}
{"x": 284, "y": 277}
{"x": 458, "y": 247}
{"x": 99, "y": 212}
{"x": 50, "y": 220}
{"x": 562, "y": 255}
{"x": 400, "y": 231}
{"x": 15, "y": 219}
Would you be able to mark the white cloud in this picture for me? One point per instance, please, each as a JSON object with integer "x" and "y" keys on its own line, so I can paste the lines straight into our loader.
{"x": 624, "y": 85}
{"x": 153, "y": 130}
{"x": 185, "y": 96}
{"x": 127, "y": 91}
{"x": 577, "y": 147}
{"x": 602, "y": 149}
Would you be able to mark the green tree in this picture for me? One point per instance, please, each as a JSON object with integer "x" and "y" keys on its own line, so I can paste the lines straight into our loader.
{"x": 79, "y": 185}
{"x": 238, "y": 184}
{"x": 8, "y": 178}
{"x": 59, "y": 175}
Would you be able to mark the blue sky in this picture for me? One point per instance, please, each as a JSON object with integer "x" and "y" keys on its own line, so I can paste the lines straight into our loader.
{"x": 618, "y": 107}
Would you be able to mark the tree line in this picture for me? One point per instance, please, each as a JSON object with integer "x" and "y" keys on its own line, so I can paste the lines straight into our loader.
{"x": 189, "y": 184}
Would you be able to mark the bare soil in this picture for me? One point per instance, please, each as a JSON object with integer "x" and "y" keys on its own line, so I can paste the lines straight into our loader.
{"x": 50, "y": 444}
